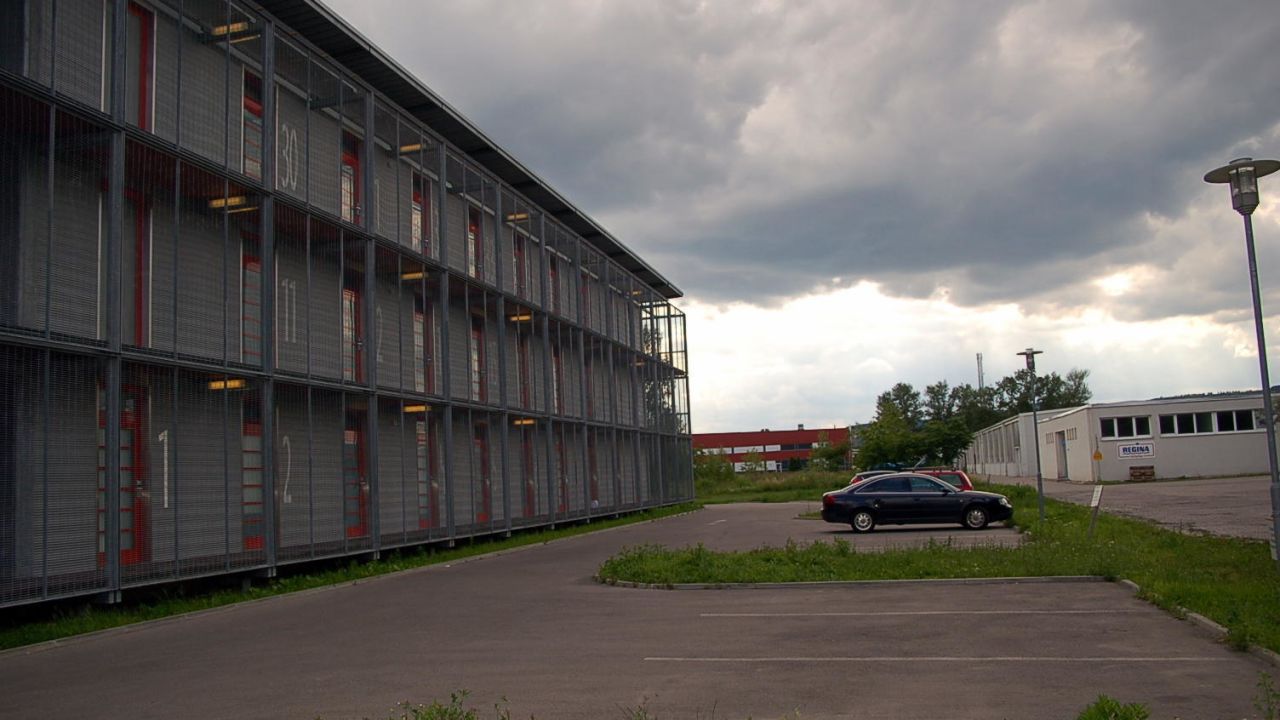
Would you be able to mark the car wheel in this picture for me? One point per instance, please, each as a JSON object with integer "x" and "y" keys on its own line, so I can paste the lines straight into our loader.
{"x": 863, "y": 521}
{"x": 975, "y": 518}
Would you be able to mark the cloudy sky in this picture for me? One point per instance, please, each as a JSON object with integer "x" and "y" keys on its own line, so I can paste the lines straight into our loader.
{"x": 853, "y": 194}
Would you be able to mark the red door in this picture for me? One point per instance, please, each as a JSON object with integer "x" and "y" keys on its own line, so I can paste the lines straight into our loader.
{"x": 352, "y": 363}
{"x": 428, "y": 483}
{"x": 252, "y": 497}
{"x": 355, "y": 501}
{"x": 133, "y": 509}
{"x": 350, "y": 178}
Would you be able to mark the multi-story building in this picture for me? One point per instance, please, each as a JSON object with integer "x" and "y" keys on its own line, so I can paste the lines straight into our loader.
{"x": 266, "y": 298}
{"x": 769, "y": 449}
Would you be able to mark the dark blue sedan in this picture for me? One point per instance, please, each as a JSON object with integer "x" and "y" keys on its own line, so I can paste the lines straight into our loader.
{"x": 905, "y": 498}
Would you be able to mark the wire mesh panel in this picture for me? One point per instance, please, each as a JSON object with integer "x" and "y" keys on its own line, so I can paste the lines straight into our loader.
{"x": 293, "y": 462}
{"x": 74, "y": 459}
{"x": 49, "y": 510}
{"x": 24, "y": 211}
{"x": 206, "y": 81}
{"x": 416, "y": 207}
{"x": 203, "y": 441}
{"x": 519, "y": 349}
{"x": 292, "y": 124}
{"x": 333, "y": 466}
{"x": 388, "y": 196}
{"x": 591, "y": 279}
{"x": 325, "y": 143}
{"x": 599, "y": 470}
{"x": 624, "y": 386}
{"x": 526, "y": 464}
{"x": 67, "y": 43}
{"x": 166, "y": 38}
{"x": 359, "y": 337}
{"x": 397, "y": 486}
{"x": 202, "y": 248}
{"x": 292, "y": 289}
{"x": 628, "y": 469}
{"x": 76, "y": 291}
{"x": 358, "y": 472}
{"x": 394, "y": 308}
{"x": 333, "y": 308}
{"x": 148, "y": 251}
{"x": 490, "y": 488}
{"x": 457, "y": 216}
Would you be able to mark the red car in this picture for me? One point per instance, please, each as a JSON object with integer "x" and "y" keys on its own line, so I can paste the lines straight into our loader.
{"x": 955, "y": 478}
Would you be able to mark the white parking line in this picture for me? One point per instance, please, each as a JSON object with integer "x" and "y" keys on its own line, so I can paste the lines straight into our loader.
{"x": 717, "y": 522}
{"x": 902, "y": 659}
{"x": 918, "y": 612}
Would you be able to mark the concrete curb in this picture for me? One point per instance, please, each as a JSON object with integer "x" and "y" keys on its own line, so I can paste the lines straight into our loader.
{"x": 1212, "y": 628}
{"x": 851, "y": 583}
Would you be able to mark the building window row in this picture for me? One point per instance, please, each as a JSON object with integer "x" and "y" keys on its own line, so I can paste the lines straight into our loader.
{"x": 1191, "y": 423}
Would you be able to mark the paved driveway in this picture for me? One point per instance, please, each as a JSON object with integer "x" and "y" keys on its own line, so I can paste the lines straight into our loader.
{"x": 1233, "y": 507}
{"x": 532, "y": 626}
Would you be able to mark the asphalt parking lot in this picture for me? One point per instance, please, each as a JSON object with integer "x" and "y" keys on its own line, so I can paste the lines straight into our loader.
{"x": 531, "y": 626}
{"x": 1232, "y": 507}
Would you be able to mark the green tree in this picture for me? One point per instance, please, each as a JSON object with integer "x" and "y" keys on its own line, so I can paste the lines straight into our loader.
{"x": 975, "y": 406}
{"x": 906, "y": 399}
{"x": 942, "y": 440}
{"x": 888, "y": 439}
{"x": 939, "y": 402}
{"x": 1013, "y": 393}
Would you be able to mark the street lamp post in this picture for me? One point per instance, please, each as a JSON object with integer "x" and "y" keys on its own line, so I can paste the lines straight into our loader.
{"x": 1242, "y": 175}
{"x": 1030, "y": 354}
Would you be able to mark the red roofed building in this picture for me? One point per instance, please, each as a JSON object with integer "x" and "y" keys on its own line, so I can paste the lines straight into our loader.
{"x": 776, "y": 448}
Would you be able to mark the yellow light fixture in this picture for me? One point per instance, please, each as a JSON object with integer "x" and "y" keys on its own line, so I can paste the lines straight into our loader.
{"x": 520, "y": 317}
{"x": 417, "y": 408}
{"x": 227, "y": 202}
{"x": 235, "y": 27}
{"x": 227, "y": 384}
{"x": 524, "y": 421}
{"x": 415, "y": 275}
{"x": 517, "y": 216}
{"x": 410, "y": 148}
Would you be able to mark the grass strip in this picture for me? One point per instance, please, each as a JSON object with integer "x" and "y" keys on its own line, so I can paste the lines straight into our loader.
{"x": 767, "y": 487}
{"x": 87, "y": 618}
{"x": 1232, "y": 581}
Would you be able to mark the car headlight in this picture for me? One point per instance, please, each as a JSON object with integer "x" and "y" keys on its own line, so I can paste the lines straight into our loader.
{"x": 1005, "y": 502}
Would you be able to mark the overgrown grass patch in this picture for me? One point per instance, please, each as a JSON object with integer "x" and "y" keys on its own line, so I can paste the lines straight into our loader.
{"x": 1230, "y": 580}
{"x": 767, "y": 486}
{"x": 82, "y": 618}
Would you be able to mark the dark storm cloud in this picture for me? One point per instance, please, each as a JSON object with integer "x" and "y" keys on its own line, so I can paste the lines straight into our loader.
{"x": 1006, "y": 151}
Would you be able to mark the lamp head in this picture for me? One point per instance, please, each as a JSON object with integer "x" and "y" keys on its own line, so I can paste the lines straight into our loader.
{"x": 1242, "y": 175}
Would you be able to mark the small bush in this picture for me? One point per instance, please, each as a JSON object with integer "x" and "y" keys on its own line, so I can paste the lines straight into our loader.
{"x": 1106, "y": 708}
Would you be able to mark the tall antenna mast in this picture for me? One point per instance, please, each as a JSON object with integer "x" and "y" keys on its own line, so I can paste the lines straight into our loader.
{"x": 981, "y": 380}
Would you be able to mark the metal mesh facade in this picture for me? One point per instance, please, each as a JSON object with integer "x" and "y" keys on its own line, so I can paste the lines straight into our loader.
{"x": 254, "y": 312}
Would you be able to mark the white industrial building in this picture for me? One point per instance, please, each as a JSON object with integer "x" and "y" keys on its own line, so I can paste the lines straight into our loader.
{"x": 1196, "y": 436}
